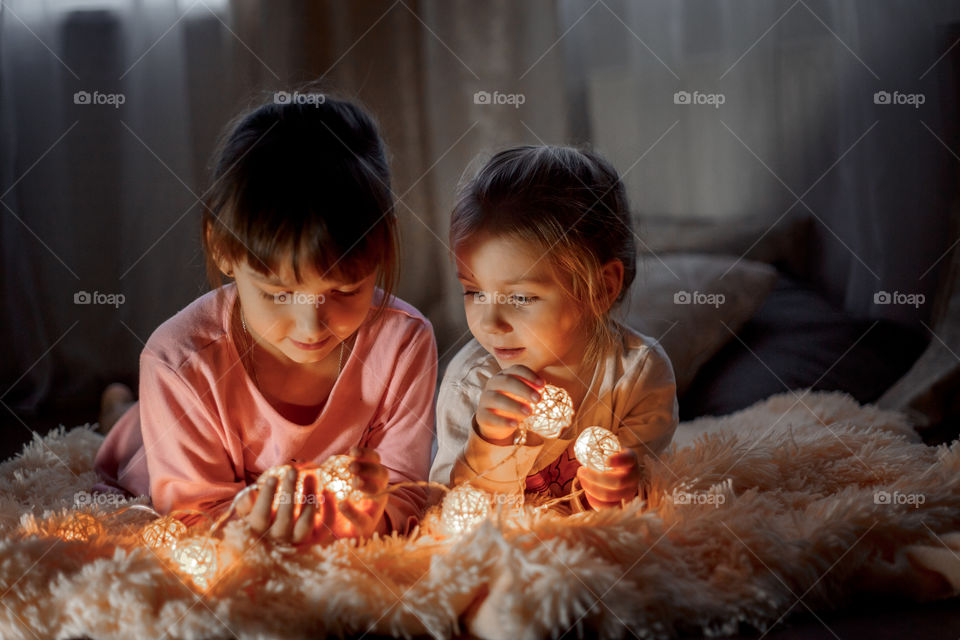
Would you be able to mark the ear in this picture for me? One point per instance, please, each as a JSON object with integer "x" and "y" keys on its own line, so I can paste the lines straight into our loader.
{"x": 225, "y": 266}
{"x": 611, "y": 277}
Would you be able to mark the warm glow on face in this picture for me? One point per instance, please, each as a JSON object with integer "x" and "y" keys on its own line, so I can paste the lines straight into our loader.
{"x": 516, "y": 307}
{"x": 594, "y": 446}
{"x": 322, "y": 311}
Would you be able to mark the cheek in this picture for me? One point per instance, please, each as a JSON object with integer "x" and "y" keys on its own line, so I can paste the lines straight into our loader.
{"x": 346, "y": 315}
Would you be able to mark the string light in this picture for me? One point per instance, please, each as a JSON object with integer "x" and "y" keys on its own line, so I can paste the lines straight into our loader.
{"x": 594, "y": 446}
{"x": 550, "y": 416}
{"x": 80, "y": 526}
{"x": 463, "y": 508}
{"x": 162, "y": 534}
{"x": 197, "y": 557}
{"x": 334, "y": 475}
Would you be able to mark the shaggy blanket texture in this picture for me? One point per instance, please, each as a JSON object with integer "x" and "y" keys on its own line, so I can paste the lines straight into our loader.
{"x": 797, "y": 503}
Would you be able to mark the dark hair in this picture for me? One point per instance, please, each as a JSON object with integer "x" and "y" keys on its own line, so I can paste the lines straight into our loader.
{"x": 304, "y": 176}
{"x": 568, "y": 203}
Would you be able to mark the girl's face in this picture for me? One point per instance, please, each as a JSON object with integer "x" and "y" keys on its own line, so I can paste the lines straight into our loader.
{"x": 303, "y": 323}
{"x": 516, "y": 307}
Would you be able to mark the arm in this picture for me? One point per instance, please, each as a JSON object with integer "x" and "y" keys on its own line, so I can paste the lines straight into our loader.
{"x": 188, "y": 465}
{"x": 463, "y": 454}
{"x": 403, "y": 435}
{"x": 647, "y": 428}
{"x": 653, "y": 416}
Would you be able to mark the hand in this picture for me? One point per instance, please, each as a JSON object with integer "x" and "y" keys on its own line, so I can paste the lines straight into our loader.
{"x": 255, "y": 505}
{"x": 609, "y": 488}
{"x": 506, "y": 401}
{"x": 363, "y": 518}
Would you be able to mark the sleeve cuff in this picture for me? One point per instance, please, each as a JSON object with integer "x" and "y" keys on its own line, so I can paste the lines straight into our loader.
{"x": 492, "y": 467}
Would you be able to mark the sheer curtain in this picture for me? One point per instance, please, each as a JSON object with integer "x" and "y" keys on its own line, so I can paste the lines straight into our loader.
{"x": 798, "y": 131}
{"x": 103, "y": 198}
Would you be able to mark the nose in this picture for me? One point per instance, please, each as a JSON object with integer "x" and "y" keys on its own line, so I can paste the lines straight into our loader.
{"x": 492, "y": 320}
{"x": 311, "y": 321}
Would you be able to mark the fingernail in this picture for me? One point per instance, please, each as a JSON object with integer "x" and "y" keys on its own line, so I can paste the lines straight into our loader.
{"x": 539, "y": 381}
{"x": 535, "y": 397}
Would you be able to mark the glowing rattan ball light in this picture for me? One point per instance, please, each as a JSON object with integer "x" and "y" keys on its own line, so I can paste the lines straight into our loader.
{"x": 163, "y": 533}
{"x": 198, "y": 558}
{"x": 463, "y": 508}
{"x": 551, "y": 415}
{"x": 594, "y": 446}
{"x": 80, "y": 526}
{"x": 335, "y": 476}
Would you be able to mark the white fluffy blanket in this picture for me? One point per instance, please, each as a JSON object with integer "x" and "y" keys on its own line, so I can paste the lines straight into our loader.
{"x": 776, "y": 509}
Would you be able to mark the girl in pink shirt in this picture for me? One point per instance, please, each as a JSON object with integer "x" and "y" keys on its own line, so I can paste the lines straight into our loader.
{"x": 303, "y": 356}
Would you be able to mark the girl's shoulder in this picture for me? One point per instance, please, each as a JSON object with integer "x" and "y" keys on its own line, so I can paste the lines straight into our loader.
{"x": 398, "y": 315}
{"x": 395, "y": 332}
{"x": 470, "y": 368}
{"x": 193, "y": 330}
{"x": 640, "y": 354}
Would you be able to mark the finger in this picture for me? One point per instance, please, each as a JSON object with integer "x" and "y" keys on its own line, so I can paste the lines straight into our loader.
{"x": 364, "y": 453}
{"x": 361, "y": 521}
{"x": 526, "y": 374}
{"x": 259, "y": 517}
{"x": 597, "y": 504}
{"x": 603, "y": 494}
{"x": 282, "y": 527}
{"x": 487, "y": 418}
{"x": 506, "y": 405}
{"x": 324, "y": 530}
{"x": 614, "y": 480}
{"x": 244, "y": 501}
{"x": 303, "y": 529}
{"x": 625, "y": 458}
{"x": 369, "y": 477}
{"x": 514, "y": 387}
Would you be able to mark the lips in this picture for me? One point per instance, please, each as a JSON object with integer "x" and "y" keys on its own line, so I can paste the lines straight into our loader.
{"x": 508, "y": 354}
{"x": 311, "y": 346}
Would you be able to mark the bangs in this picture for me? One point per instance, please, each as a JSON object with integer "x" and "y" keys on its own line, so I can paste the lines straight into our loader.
{"x": 307, "y": 188}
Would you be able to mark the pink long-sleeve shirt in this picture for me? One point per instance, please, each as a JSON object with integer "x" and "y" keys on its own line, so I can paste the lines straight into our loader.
{"x": 202, "y": 431}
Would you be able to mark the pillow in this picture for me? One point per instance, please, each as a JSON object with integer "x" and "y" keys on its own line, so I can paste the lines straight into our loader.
{"x": 693, "y": 304}
{"x": 798, "y": 339}
{"x": 783, "y": 244}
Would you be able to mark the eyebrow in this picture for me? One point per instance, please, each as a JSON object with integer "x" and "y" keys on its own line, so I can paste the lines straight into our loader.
{"x": 512, "y": 282}
{"x": 277, "y": 282}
